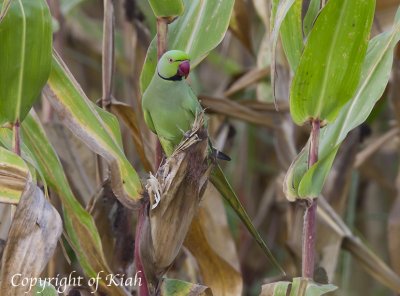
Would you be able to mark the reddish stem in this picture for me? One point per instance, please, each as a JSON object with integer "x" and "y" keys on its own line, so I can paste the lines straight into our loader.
{"x": 143, "y": 289}
{"x": 17, "y": 138}
{"x": 162, "y": 31}
{"x": 309, "y": 226}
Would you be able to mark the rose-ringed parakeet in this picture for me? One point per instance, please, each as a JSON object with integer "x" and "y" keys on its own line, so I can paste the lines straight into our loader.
{"x": 170, "y": 108}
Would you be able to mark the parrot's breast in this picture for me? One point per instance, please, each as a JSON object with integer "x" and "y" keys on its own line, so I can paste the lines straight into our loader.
{"x": 172, "y": 107}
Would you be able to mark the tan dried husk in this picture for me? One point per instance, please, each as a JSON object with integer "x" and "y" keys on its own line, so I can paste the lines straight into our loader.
{"x": 32, "y": 239}
{"x": 175, "y": 192}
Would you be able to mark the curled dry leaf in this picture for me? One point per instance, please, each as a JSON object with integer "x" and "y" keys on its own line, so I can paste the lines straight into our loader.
{"x": 393, "y": 233}
{"x": 236, "y": 110}
{"x": 240, "y": 23}
{"x": 36, "y": 225}
{"x": 84, "y": 237}
{"x": 179, "y": 185}
{"x": 221, "y": 275}
{"x": 95, "y": 127}
{"x": 248, "y": 79}
{"x": 13, "y": 177}
{"x": 128, "y": 116}
{"x": 375, "y": 145}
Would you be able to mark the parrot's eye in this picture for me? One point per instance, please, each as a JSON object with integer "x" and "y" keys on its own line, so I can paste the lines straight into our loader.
{"x": 170, "y": 60}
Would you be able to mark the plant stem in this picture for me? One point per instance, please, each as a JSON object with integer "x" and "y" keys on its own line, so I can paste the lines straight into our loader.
{"x": 17, "y": 138}
{"x": 309, "y": 226}
{"x": 162, "y": 32}
{"x": 108, "y": 54}
{"x": 143, "y": 289}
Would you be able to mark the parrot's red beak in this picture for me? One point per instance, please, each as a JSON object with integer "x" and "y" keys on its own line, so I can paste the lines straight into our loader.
{"x": 184, "y": 69}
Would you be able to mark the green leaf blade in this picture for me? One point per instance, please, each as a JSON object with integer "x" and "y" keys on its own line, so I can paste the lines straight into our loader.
{"x": 330, "y": 67}
{"x": 303, "y": 183}
{"x": 167, "y": 8}
{"x": 292, "y": 35}
{"x": 311, "y": 15}
{"x": 14, "y": 174}
{"x": 26, "y": 38}
{"x": 82, "y": 118}
{"x": 173, "y": 287}
{"x": 192, "y": 33}
{"x": 79, "y": 224}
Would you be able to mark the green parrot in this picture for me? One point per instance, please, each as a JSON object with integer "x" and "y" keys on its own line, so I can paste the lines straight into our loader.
{"x": 170, "y": 108}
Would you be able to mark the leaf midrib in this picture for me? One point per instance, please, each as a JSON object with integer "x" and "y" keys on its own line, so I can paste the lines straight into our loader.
{"x": 197, "y": 25}
{"x": 21, "y": 73}
{"x": 329, "y": 62}
{"x": 368, "y": 78}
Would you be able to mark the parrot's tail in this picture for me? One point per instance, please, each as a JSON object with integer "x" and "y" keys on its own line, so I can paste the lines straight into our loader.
{"x": 220, "y": 155}
{"x": 216, "y": 153}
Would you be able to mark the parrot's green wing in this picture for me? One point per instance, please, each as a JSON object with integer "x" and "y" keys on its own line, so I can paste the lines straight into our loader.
{"x": 220, "y": 182}
{"x": 149, "y": 121}
{"x": 167, "y": 146}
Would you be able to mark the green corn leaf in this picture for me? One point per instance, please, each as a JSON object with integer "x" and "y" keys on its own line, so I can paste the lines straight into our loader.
{"x": 303, "y": 183}
{"x": 68, "y": 5}
{"x": 96, "y": 129}
{"x": 25, "y": 48}
{"x": 14, "y": 174}
{"x": 6, "y": 140}
{"x": 279, "y": 12}
{"x": 172, "y": 287}
{"x": 292, "y": 35}
{"x": 167, "y": 8}
{"x": 311, "y": 15}
{"x": 43, "y": 288}
{"x": 199, "y": 30}
{"x": 281, "y": 288}
{"x": 299, "y": 286}
{"x": 79, "y": 224}
{"x": 330, "y": 66}
{"x": 111, "y": 124}
{"x": 312, "y": 289}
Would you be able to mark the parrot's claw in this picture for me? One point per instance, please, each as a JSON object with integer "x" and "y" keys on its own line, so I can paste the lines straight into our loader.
{"x": 153, "y": 186}
{"x": 156, "y": 201}
{"x": 187, "y": 134}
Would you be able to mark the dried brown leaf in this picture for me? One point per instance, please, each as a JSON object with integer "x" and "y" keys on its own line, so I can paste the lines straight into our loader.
{"x": 263, "y": 10}
{"x": 375, "y": 146}
{"x": 31, "y": 242}
{"x": 374, "y": 265}
{"x": 394, "y": 235}
{"x": 249, "y": 78}
{"x": 128, "y": 116}
{"x": 394, "y": 230}
{"x": 240, "y": 23}
{"x": 283, "y": 106}
{"x": 216, "y": 272}
{"x": 235, "y": 110}
{"x": 214, "y": 222}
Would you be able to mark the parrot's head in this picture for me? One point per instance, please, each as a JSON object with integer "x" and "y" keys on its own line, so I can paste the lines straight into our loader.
{"x": 174, "y": 65}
